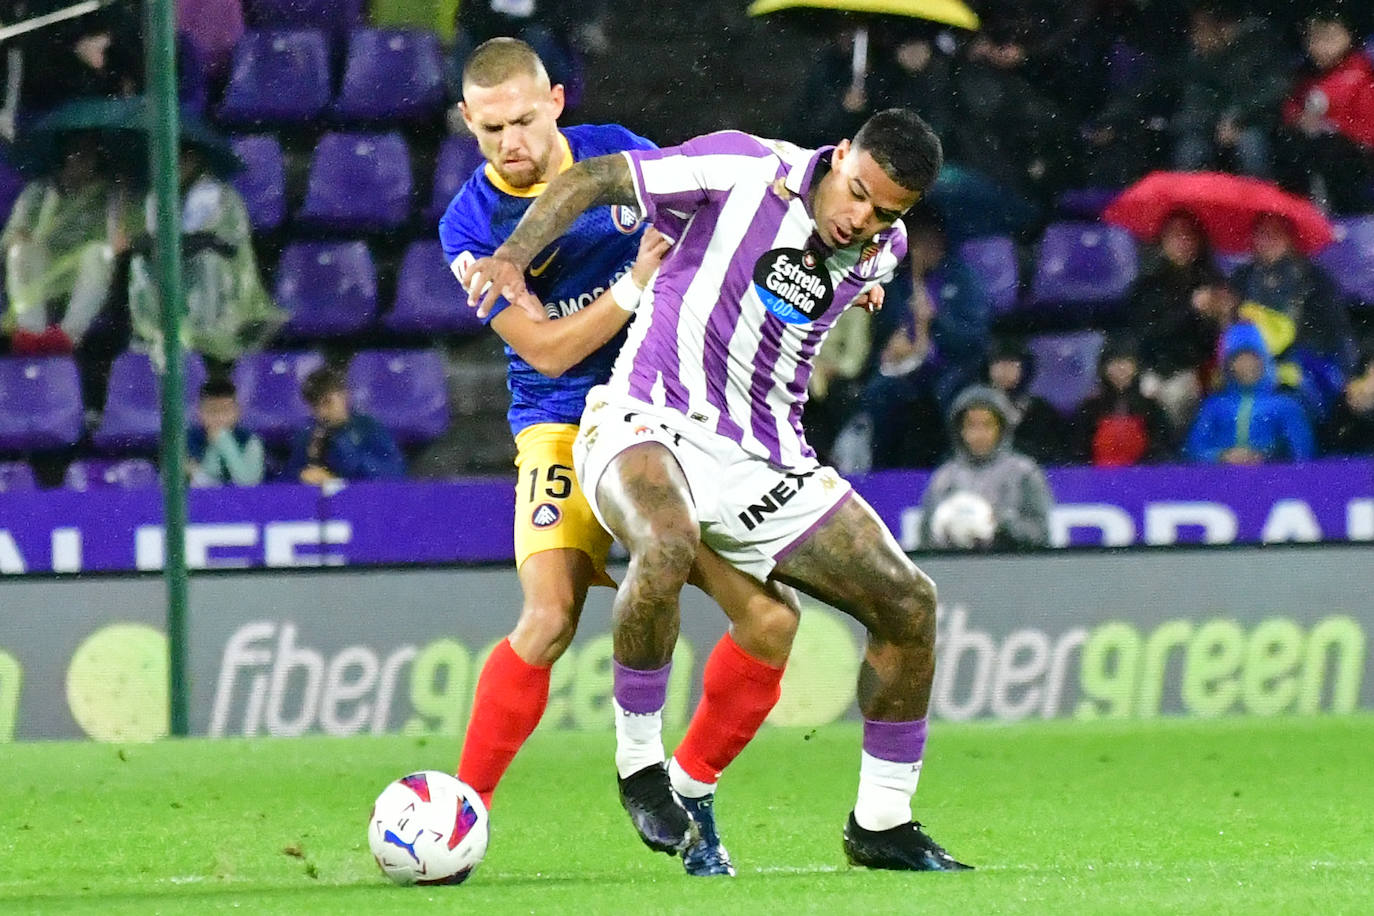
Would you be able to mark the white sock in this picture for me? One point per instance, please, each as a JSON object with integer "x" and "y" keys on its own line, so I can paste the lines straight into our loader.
{"x": 685, "y": 785}
{"x": 638, "y": 740}
{"x": 885, "y": 792}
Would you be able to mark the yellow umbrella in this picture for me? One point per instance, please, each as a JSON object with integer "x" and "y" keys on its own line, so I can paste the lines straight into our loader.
{"x": 948, "y": 12}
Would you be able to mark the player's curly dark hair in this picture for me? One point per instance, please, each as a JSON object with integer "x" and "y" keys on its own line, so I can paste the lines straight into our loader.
{"x": 904, "y": 146}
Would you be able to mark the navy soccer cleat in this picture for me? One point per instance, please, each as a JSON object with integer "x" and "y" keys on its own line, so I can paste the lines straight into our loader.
{"x": 906, "y": 847}
{"x": 706, "y": 857}
{"x": 658, "y": 816}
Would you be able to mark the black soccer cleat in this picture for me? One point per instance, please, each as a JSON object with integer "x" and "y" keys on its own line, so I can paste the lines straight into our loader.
{"x": 658, "y": 816}
{"x": 906, "y": 847}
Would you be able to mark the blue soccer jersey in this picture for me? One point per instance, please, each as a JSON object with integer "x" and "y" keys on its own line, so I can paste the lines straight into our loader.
{"x": 566, "y": 276}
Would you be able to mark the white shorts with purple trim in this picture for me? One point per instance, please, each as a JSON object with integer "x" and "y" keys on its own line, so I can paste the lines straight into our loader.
{"x": 752, "y": 512}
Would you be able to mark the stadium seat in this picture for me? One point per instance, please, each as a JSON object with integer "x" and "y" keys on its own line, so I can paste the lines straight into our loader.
{"x": 1065, "y": 367}
{"x": 40, "y": 403}
{"x": 391, "y": 76}
{"x": 126, "y": 474}
{"x": 269, "y": 389}
{"x": 16, "y": 476}
{"x": 358, "y": 183}
{"x": 1350, "y": 261}
{"x": 458, "y": 158}
{"x": 277, "y": 77}
{"x": 993, "y": 259}
{"x": 428, "y": 298}
{"x": 1085, "y": 203}
{"x": 214, "y": 25}
{"x": 336, "y": 15}
{"x": 1230, "y": 263}
{"x": 1084, "y": 263}
{"x": 405, "y": 390}
{"x": 329, "y": 289}
{"x": 262, "y": 183}
{"x": 11, "y": 184}
{"x": 132, "y": 419}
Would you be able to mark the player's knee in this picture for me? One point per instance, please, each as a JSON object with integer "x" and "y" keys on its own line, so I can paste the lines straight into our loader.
{"x": 909, "y": 619}
{"x": 544, "y": 632}
{"x": 666, "y": 553}
{"x": 777, "y": 627}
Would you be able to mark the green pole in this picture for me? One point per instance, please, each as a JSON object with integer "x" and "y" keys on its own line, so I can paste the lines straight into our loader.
{"x": 164, "y": 131}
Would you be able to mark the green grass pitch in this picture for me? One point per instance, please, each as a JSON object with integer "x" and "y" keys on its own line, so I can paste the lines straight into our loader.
{"x": 1254, "y": 816}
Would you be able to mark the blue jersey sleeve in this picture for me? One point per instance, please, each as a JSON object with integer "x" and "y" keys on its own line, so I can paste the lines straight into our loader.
{"x": 466, "y": 236}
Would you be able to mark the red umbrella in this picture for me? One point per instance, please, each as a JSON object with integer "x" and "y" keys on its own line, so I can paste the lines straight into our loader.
{"x": 1226, "y": 206}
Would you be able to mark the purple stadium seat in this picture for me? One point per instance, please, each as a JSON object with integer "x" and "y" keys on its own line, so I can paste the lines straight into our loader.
{"x": 40, "y": 403}
{"x": 128, "y": 474}
{"x": 993, "y": 259}
{"x": 16, "y": 476}
{"x": 1350, "y": 261}
{"x": 1230, "y": 263}
{"x": 1065, "y": 367}
{"x": 262, "y": 183}
{"x": 214, "y": 25}
{"x": 328, "y": 288}
{"x": 391, "y": 75}
{"x": 269, "y": 389}
{"x": 428, "y": 298}
{"x": 277, "y": 77}
{"x": 405, "y": 390}
{"x": 1086, "y": 263}
{"x": 459, "y": 157}
{"x": 11, "y": 183}
{"x": 358, "y": 183}
{"x": 1086, "y": 203}
{"x": 132, "y": 419}
{"x": 336, "y": 15}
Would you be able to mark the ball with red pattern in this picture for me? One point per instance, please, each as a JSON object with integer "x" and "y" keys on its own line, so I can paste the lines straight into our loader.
{"x": 428, "y": 828}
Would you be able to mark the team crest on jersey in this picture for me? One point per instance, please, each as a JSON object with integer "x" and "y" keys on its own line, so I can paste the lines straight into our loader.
{"x": 793, "y": 284}
{"x": 626, "y": 219}
{"x": 545, "y": 515}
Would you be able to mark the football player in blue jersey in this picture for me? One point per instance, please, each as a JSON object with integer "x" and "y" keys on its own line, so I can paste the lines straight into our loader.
{"x": 589, "y": 281}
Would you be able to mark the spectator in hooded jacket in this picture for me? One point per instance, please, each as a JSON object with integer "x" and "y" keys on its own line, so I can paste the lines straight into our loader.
{"x": 1040, "y": 431}
{"x": 1326, "y": 147}
{"x": 1119, "y": 425}
{"x": 984, "y": 463}
{"x": 1249, "y": 421}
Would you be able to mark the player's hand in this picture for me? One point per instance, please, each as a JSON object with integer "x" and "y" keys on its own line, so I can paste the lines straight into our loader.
{"x": 490, "y": 278}
{"x": 529, "y": 303}
{"x": 870, "y": 300}
{"x": 316, "y": 475}
{"x": 653, "y": 248}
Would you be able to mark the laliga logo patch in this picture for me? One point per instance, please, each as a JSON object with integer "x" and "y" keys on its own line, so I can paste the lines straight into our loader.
{"x": 546, "y": 515}
{"x": 793, "y": 285}
{"x": 626, "y": 219}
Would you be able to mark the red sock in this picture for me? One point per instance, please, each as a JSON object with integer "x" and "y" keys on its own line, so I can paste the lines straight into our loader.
{"x": 509, "y": 702}
{"x": 738, "y": 692}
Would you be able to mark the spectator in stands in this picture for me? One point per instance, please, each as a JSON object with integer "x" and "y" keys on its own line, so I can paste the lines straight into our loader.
{"x": 1178, "y": 337}
{"x": 1230, "y": 85}
{"x": 1249, "y": 421}
{"x": 1350, "y": 429}
{"x": 903, "y": 68}
{"x": 834, "y": 392}
{"x": 220, "y": 451}
{"x": 1326, "y": 148}
{"x": 340, "y": 444}
{"x": 1301, "y": 312}
{"x": 228, "y": 312}
{"x": 1120, "y": 425}
{"x": 931, "y": 337}
{"x": 61, "y": 244}
{"x": 984, "y": 463}
{"x": 98, "y": 54}
{"x": 1040, "y": 432}
{"x": 1003, "y": 125}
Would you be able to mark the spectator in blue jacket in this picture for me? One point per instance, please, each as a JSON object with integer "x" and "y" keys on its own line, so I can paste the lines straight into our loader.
{"x": 1249, "y": 421}
{"x": 340, "y": 444}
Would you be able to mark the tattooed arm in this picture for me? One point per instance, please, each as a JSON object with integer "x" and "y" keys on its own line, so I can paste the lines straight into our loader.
{"x": 601, "y": 180}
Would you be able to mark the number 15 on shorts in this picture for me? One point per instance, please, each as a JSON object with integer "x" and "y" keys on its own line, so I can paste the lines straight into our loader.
{"x": 556, "y": 481}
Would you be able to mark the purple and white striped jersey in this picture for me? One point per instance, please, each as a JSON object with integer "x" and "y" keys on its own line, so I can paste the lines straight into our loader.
{"x": 728, "y": 329}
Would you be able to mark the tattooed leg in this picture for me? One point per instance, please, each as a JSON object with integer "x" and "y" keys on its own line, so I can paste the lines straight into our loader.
{"x": 853, "y": 563}
{"x": 647, "y": 505}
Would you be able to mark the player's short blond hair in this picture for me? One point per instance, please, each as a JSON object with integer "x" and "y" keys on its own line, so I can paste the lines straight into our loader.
{"x": 500, "y": 59}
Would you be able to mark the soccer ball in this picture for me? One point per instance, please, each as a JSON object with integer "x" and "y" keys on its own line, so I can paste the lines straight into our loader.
{"x": 963, "y": 519}
{"x": 428, "y": 828}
